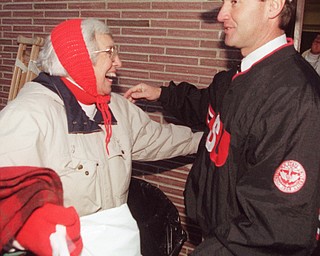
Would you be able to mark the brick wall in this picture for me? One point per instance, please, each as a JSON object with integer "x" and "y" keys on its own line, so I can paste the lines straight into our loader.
{"x": 158, "y": 41}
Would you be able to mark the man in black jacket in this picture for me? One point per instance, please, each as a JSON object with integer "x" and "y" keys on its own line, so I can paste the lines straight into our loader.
{"x": 254, "y": 186}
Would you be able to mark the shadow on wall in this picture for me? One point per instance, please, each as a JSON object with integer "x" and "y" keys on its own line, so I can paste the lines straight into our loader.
{"x": 232, "y": 54}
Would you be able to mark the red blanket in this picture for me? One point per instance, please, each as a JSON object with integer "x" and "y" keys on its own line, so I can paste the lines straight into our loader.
{"x": 22, "y": 190}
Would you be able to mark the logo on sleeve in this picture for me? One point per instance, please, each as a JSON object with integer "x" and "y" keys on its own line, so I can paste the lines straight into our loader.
{"x": 290, "y": 176}
{"x": 218, "y": 139}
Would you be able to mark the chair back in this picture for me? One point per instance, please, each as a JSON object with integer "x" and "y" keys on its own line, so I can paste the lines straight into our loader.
{"x": 25, "y": 68}
{"x": 161, "y": 231}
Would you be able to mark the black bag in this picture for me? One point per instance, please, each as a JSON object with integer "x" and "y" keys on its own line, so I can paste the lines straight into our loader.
{"x": 161, "y": 233}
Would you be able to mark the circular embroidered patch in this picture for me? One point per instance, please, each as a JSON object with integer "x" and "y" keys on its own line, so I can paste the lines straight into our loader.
{"x": 290, "y": 176}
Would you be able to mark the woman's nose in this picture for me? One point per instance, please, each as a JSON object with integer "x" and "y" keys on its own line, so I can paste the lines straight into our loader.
{"x": 117, "y": 62}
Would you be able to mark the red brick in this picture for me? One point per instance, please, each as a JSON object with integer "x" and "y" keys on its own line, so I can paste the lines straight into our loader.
{"x": 176, "y": 5}
{"x": 16, "y": 21}
{"x": 28, "y": 28}
{"x": 211, "y": 26}
{"x": 89, "y": 5}
{"x": 197, "y": 52}
{"x": 128, "y": 81}
{"x": 133, "y": 73}
{"x": 175, "y": 24}
{"x": 5, "y": 13}
{"x": 28, "y": 14}
{"x": 5, "y": 42}
{"x": 64, "y": 14}
{"x": 3, "y": 95}
{"x": 175, "y": 42}
{"x": 17, "y": 6}
{"x": 214, "y": 62}
{"x": 132, "y": 56}
{"x": 190, "y": 15}
{"x": 99, "y": 14}
{"x": 144, "y": 14}
{"x": 51, "y": 22}
{"x": 176, "y": 59}
{"x": 115, "y": 31}
{"x": 211, "y": 44}
{"x": 142, "y": 66}
{"x": 193, "y": 34}
{"x": 212, "y": 6}
{"x": 50, "y": 6}
{"x": 175, "y": 77}
{"x": 129, "y": 6}
{"x": 20, "y": 1}
{"x": 129, "y": 23}
{"x": 119, "y": 39}
{"x": 188, "y": 70}
{"x": 142, "y": 49}
{"x": 144, "y": 32}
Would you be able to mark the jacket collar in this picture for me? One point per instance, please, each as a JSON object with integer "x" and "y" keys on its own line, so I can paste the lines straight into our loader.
{"x": 78, "y": 121}
{"x": 263, "y": 51}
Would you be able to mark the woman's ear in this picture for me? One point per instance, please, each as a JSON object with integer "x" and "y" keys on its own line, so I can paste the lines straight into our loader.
{"x": 275, "y": 8}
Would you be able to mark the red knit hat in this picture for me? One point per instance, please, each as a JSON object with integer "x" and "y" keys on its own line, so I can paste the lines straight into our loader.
{"x": 69, "y": 45}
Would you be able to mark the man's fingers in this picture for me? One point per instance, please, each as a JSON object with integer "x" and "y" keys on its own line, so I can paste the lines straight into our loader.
{"x": 133, "y": 90}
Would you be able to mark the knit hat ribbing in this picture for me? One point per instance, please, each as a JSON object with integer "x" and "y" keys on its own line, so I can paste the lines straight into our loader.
{"x": 69, "y": 45}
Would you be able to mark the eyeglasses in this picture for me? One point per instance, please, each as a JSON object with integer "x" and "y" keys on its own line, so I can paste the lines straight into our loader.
{"x": 112, "y": 51}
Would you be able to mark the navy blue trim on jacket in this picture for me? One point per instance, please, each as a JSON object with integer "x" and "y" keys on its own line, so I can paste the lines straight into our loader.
{"x": 78, "y": 121}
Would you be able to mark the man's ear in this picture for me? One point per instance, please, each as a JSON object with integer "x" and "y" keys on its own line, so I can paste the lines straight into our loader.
{"x": 275, "y": 8}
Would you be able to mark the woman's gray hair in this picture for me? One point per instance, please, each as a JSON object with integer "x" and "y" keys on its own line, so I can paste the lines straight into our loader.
{"x": 48, "y": 60}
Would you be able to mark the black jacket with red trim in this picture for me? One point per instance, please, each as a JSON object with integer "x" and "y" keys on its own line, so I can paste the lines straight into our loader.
{"x": 255, "y": 182}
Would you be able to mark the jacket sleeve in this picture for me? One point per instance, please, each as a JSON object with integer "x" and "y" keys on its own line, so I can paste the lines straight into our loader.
{"x": 189, "y": 104}
{"x": 152, "y": 140}
{"x": 186, "y": 102}
{"x": 279, "y": 176}
{"x": 22, "y": 136}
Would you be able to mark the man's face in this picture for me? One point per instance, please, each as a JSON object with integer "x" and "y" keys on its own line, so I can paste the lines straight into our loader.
{"x": 315, "y": 47}
{"x": 246, "y": 24}
{"x": 106, "y": 64}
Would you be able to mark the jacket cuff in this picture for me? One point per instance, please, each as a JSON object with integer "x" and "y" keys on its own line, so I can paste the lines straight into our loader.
{"x": 165, "y": 92}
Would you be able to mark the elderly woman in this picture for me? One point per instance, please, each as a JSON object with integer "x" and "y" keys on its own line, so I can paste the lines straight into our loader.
{"x": 68, "y": 120}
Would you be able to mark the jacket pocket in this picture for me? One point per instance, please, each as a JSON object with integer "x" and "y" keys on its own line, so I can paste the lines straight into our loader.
{"x": 82, "y": 187}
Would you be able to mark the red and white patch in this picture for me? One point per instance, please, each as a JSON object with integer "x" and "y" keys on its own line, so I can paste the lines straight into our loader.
{"x": 290, "y": 176}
